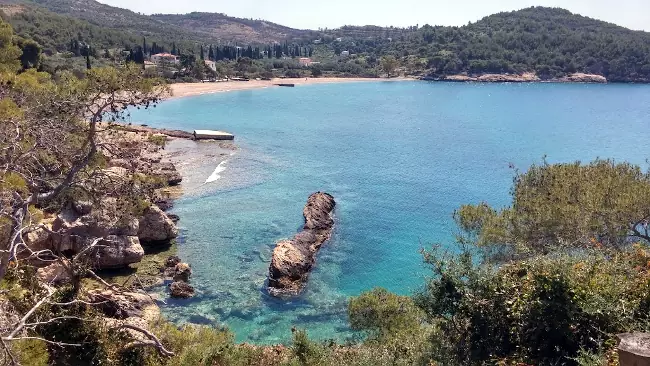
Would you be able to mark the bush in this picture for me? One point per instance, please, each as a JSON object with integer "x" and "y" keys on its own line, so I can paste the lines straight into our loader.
{"x": 545, "y": 310}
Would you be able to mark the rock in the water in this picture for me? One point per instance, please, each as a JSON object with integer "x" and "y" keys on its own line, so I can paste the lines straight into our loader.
{"x": 54, "y": 274}
{"x": 155, "y": 226}
{"x": 181, "y": 290}
{"x": 293, "y": 259}
{"x": 172, "y": 261}
{"x": 182, "y": 272}
{"x": 175, "y": 218}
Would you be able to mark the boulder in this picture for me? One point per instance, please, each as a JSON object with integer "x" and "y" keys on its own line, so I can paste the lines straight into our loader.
{"x": 172, "y": 261}
{"x": 118, "y": 251}
{"x": 168, "y": 172}
{"x": 54, "y": 274}
{"x": 181, "y": 290}
{"x": 123, "y": 305}
{"x": 155, "y": 226}
{"x": 182, "y": 272}
{"x": 38, "y": 239}
{"x": 634, "y": 349}
{"x": 294, "y": 259}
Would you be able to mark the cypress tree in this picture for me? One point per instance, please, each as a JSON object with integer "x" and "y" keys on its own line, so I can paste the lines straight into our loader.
{"x": 201, "y": 55}
{"x": 88, "y": 66}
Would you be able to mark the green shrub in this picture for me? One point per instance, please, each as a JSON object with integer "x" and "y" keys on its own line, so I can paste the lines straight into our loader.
{"x": 30, "y": 352}
{"x": 544, "y": 310}
{"x": 158, "y": 140}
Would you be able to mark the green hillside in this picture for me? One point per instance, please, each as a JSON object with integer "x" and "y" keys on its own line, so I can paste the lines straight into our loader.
{"x": 549, "y": 41}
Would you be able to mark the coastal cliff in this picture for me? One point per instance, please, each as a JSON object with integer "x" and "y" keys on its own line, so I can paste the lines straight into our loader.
{"x": 293, "y": 259}
{"x": 134, "y": 161}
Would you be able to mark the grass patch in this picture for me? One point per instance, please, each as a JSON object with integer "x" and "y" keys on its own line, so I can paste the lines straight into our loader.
{"x": 148, "y": 271}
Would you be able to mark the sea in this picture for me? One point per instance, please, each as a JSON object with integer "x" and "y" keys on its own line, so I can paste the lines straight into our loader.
{"x": 399, "y": 158}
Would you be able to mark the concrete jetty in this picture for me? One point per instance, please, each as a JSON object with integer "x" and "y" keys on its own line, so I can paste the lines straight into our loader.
{"x": 212, "y": 135}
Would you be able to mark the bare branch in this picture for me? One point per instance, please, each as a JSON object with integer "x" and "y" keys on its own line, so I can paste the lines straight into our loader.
{"x": 153, "y": 340}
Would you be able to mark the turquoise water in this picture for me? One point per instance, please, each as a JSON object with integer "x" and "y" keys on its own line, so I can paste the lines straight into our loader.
{"x": 399, "y": 157}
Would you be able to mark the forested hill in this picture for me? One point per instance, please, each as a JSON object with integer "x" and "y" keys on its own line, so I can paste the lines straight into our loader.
{"x": 549, "y": 41}
{"x": 228, "y": 29}
{"x": 194, "y": 27}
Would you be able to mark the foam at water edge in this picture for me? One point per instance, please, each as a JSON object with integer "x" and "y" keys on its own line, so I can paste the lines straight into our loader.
{"x": 215, "y": 175}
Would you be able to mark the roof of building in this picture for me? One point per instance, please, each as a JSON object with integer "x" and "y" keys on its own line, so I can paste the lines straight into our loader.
{"x": 164, "y": 55}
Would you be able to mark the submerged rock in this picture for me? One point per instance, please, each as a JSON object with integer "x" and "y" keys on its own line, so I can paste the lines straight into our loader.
{"x": 181, "y": 290}
{"x": 182, "y": 272}
{"x": 293, "y": 259}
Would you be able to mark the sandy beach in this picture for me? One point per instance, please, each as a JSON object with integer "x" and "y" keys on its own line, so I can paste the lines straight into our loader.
{"x": 189, "y": 89}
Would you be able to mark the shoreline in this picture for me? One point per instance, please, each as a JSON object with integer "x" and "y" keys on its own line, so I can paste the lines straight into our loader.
{"x": 181, "y": 90}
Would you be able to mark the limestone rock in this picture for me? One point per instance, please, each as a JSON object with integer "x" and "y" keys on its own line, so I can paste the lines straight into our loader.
{"x": 167, "y": 171}
{"x": 38, "y": 239}
{"x": 172, "y": 261}
{"x": 634, "y": 349}
{"x": 181, "y": 290}
{"x": 155, "y": 226}
{"x": 122, "y": 305}
{"x": 182, "y": 272}
{"x": 118, "y": 251}
{"x": 54, "y": 274}
{"x": 294, "y": 259}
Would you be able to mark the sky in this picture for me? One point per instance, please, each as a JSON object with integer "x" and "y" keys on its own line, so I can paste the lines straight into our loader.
{"x": 314, "y": 14}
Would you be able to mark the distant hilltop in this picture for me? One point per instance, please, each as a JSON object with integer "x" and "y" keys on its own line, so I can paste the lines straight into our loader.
{"x": 552, "y": 43}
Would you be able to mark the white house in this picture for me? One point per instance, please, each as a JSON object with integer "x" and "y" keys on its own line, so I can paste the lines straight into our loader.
{"x": 305, "y": 61}
{"x": 165, "y": 57}
{"x": 211, "y": 64}
{"x": 345, "y": 54}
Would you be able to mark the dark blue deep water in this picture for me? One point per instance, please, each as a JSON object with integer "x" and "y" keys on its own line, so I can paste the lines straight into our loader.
{"x": 399, "y": 157}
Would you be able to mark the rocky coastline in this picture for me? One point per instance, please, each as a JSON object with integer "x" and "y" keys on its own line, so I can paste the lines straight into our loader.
{"x": 519, "y": 78}
{"x": 122, "y": 234}
{"x": 293, "y": 259}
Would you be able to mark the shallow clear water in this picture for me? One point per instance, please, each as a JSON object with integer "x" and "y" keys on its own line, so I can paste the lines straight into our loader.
{"x": 399, "y": 157}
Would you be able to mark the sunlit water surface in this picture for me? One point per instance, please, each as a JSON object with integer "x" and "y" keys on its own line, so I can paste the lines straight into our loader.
{"x": 399, "y": 157}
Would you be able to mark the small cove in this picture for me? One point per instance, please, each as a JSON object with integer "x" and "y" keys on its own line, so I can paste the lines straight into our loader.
{"x": 398, "y": 158}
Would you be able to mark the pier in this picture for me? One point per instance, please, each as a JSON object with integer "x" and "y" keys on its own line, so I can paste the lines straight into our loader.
{"x": 212, "y": 135}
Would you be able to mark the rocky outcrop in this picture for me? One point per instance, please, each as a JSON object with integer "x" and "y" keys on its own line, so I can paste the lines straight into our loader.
{"x": 156, "y": 226}
{"x": 584, "y": 78}
{"x": 526, "y": 77}
{"x": 181, "y": 290}
{"x": 122, "y": 305}
{"x": 54, "y": 274}
{"x": 118, "y": 251}
{"x": 293, "y": 259}
{"x": 634, "y": 349}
